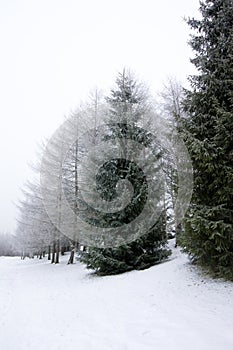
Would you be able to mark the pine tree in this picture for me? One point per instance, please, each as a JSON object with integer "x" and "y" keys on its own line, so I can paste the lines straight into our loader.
{"x": 209, "y": 137}
{"x": 128, "y": 103}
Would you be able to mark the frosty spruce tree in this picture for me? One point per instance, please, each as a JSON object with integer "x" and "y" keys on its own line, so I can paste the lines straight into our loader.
{"x": 128, "y": 103}
{"x": 209, "y": 136}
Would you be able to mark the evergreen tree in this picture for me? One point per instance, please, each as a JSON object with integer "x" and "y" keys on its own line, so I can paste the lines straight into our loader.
{"x": 128, "y": 98}
{"x": 140, "y": 254}
{"x": 209, "y": 136}
{"x": 128, "y": 104}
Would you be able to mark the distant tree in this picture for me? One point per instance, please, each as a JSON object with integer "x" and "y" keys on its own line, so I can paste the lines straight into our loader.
{"x": 34, "y": 231}
{"x": 170, "y": 101}
{"x": 52, "y": 193}
{"x": 170, "y": 107}
{"x": 7, "y": 245}
{"x": 43, "y": 225}
{"x": 208, "y": 128}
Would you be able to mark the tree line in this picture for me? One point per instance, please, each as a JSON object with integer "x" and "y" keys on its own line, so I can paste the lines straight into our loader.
{"x": 36, "y": 232}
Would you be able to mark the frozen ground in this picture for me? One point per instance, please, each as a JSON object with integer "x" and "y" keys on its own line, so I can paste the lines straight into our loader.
{"x": 169, "y": 306}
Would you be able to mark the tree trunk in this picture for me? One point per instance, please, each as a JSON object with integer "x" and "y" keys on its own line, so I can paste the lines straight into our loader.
{"x": 22, "y": 255}
{"x": 57, "y": 252}
{"x": 49, "y": 253}
{"x": 71, "y": 259}
{"x": 72, "y": 252}
{"x": 53, "y": 253}
{"x": 178, "y": 234}
{"x": 63, "y": 249}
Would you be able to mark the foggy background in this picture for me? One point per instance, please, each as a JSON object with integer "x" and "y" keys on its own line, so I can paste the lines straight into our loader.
{"x": 54, "y": 52}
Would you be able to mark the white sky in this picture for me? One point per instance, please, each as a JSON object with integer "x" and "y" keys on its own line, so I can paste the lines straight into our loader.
{"x": 53, "y": 52}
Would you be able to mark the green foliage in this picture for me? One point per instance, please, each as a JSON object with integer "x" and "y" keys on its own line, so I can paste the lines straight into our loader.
{"x": 127, "y": 104}
{"x": 148, "y": 250}
{"x": 209, "y": 136}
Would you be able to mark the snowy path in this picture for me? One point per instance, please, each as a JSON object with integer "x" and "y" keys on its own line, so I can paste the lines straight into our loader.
{"x": 169, "y": 306}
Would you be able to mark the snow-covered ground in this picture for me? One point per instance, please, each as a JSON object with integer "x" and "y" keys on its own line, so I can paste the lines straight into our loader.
{"x": 169, "y": 306}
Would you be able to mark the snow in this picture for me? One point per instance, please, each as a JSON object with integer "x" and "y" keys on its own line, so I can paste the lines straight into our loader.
{"x": 169, "y": 306}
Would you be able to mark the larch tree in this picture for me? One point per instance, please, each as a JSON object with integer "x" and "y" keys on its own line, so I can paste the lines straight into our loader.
{"x": 169, "y": 106}
{"x": 34, "y": 232}
{"x": 72, "y": 184}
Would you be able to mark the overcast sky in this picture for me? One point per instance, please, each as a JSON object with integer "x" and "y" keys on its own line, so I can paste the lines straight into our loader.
{"x": 53, "y": 52}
